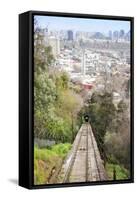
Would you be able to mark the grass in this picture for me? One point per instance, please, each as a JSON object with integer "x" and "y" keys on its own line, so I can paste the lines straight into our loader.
{"x": 121, "y": 172}
{"x": 61, "y": 149}
{"x": 47, "y": 159}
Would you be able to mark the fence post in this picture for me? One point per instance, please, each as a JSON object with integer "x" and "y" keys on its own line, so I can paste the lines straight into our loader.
{"x": 114, "y": 173}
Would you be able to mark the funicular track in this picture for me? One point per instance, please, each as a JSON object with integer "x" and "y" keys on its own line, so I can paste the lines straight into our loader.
{"x": 83, "y": 164}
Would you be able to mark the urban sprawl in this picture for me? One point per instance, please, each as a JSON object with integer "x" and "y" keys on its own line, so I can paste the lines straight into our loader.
{"x": 93, "y": 60}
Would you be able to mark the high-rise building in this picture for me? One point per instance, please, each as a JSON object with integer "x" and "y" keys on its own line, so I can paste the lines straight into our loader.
{"x": 128, "y": 36}
{"x": 115, "y": 35}
{"x": 121, "y": 34}
{"x": 55, "y": 44}
{"x": 70, "y": 35}
{"x": 110, "y": 35}
{"x": 83, "y": 64}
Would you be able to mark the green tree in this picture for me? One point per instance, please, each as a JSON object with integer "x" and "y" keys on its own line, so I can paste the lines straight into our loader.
{"x": 101, "y": 111}
{"x": 55, "y": 104}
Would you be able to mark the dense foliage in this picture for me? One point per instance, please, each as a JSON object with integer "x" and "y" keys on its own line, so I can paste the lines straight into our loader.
{"x": 56, "y": 103}
{"x": 110, "y": 125}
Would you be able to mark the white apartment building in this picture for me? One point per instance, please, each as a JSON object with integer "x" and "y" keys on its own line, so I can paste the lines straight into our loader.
{"x": 55, "y": 44}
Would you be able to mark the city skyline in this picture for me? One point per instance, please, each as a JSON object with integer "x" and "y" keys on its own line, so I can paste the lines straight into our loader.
{"x": 82, "y": 24}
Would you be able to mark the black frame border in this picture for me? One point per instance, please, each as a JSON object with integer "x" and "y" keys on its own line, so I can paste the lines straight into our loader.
{"x": 31, "y": 15}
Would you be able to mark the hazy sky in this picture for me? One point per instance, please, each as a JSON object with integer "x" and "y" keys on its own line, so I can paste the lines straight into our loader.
{"x": 81, "y": 24}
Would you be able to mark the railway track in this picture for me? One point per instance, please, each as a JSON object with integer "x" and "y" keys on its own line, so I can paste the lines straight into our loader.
{"x": 84, "y": 163}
